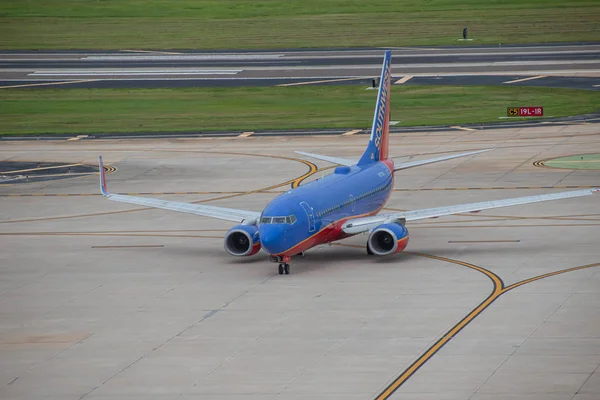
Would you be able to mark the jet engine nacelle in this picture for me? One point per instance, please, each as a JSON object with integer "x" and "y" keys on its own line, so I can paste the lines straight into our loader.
{"x": 242, "y": 240}
{"x": 387, "y": 239}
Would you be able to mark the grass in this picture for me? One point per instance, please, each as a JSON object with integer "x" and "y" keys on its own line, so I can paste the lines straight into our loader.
{"x": 35, "y": 111}
{"x": 238, "y": 24}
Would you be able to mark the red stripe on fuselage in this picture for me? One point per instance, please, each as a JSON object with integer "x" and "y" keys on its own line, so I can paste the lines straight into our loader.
{"x": 333, "y": 231}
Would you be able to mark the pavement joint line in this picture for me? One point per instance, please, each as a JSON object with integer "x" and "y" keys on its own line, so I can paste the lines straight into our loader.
{"x": 130, "y": 246}
{"x": 50, "y": 83}
{"x": 323, "y": 81}
{"x": 404, "y": 79}
{"x": 245, "y": 134}
{"x": 352, "y": 132}
{"x": 485, "y": 241}
{"x": 526, "y": 79}
{"x": 462, "y": 128}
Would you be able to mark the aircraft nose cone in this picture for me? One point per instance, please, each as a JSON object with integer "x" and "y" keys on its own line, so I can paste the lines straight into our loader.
{"x": 272, "y": 238}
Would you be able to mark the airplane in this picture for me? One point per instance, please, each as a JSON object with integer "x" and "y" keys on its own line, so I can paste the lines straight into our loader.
{"x": 342, "y": 204}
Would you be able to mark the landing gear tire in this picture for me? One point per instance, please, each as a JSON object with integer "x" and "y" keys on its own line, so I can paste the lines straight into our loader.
{"x": 284, "y": 269}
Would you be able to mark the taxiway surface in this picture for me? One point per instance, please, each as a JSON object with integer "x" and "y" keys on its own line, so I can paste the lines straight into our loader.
{"x": 101, "y": 300}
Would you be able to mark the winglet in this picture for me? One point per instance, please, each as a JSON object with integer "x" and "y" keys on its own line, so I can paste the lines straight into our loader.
{"x": 103, "y": 188}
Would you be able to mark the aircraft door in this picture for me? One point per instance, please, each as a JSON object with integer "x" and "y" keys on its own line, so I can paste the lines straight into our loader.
{"x": 310, "y": 214}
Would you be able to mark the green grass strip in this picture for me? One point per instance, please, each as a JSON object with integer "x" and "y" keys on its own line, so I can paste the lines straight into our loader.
{"x": 240, "y": 24}
{"x": 25, "y": 111}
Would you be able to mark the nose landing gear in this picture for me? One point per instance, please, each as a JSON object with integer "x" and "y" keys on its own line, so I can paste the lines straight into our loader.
{"x": 284, "y": 266}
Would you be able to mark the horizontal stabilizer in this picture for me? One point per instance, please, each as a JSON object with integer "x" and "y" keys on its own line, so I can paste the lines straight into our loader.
{"x": 334, "y": 160}
{"x": 410, "y": 164}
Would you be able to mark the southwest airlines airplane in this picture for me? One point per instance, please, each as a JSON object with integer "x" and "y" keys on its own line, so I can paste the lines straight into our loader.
{"x": 342, "y": 204}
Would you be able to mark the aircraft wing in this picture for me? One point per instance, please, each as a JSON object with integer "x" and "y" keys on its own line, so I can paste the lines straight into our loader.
{"x": 228, "y": 214}
{"x": 410, "y": 164}
{"x": 334, "y": 160}
{"x": 359, "y": 225}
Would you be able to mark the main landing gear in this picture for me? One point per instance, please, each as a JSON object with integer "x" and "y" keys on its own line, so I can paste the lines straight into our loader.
{"x": 284, "y": 266}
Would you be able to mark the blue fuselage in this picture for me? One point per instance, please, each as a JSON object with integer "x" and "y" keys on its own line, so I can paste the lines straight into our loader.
{"x": 313, "y": 213}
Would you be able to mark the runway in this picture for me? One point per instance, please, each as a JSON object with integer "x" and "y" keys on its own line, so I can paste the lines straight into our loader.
{"x": 576, "y": 66}
{"x": 102, "y": 300}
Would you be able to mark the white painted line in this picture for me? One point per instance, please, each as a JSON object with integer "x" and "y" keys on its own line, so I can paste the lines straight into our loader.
{"x": 526, "y": 79}
{"x": 150, "y": 51}
{"x": 394, "y": 122}
{"x": 245, "y": 134}
{"x": 403, "y": 80}
{"x": 180, "y": 56}
{"x": 125, "y": 72}
{"x": 49, "y": 83}
{"x": 351, "y": 132}
{"x": 596, "y": 85}
{"x": 462, "y": 128}
{"x": 422, "y": 65}
{"x": 323, "y": 81}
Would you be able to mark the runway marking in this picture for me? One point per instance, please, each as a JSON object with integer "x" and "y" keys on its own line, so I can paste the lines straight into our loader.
{"x": 404, "y": 79}
{"x": 526, "y": 79}
{"x": 151, "y": 51}
{"x": 498, "y": 290}
{"x": 78, "y": 137}
{"x": 50, "y": 83}
{"x": 462, "y": 128}
{"x": 40, "y": 169}
{"x": 323, "y": 81}
{"x": 126, "y": 72}
{"x": 245, "y": 134}
{"x": 353, "y": 132}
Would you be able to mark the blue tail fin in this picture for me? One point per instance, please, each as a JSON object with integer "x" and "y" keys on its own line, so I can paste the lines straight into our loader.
{"x": 377, "y": 150}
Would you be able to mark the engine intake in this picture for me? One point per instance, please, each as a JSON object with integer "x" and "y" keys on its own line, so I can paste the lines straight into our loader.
{"x": 387, "y": 239}
{"x": 242, "y": 240}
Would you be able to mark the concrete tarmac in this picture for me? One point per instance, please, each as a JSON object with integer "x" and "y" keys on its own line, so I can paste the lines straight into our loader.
{"x": 103, "y": 301}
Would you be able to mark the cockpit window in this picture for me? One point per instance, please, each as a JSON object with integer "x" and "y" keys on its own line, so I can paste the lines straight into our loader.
{"x": 290, "y": 219}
